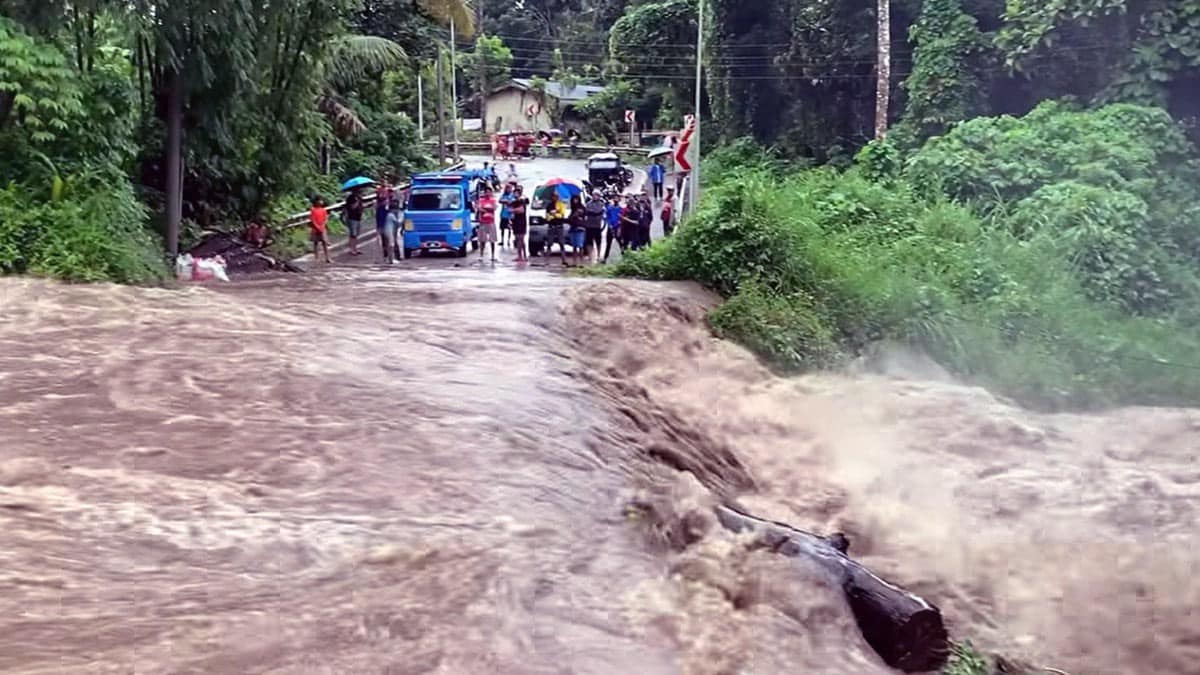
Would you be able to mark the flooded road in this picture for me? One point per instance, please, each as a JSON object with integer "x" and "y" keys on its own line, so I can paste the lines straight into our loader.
{"x": 492, "y": 470}
{"x": 344, "y": 472}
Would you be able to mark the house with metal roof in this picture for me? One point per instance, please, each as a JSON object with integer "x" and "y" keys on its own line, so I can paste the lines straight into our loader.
{"x": 518, "y": 105}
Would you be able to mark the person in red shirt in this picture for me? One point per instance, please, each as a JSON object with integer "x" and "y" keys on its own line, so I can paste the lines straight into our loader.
{"x": 317, "y": 218}
{"x": 486, "y": 206}
{"x": 668, "y": 211}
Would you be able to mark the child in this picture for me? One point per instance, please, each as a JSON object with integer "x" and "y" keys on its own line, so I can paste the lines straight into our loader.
{"x": 317, "y": 217}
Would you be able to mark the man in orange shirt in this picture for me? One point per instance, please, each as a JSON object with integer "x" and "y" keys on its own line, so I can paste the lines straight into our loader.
{"x": 317, "y": 217}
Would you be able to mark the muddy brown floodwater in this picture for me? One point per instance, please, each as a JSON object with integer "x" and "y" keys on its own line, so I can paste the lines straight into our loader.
{"x": 431, "y": 471}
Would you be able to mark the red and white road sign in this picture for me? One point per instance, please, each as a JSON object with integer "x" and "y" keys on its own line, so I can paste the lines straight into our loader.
{"x": 630, "y": 116}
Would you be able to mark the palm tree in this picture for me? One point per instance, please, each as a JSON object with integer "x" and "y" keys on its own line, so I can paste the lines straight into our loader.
{"x": 353, "y": 58}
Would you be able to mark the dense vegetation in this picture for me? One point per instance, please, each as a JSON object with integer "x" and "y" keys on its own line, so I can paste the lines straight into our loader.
{"x": 257, "y": 107}
{"x": 1052, "y": 257}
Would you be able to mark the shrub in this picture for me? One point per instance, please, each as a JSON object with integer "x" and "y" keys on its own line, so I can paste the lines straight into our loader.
{"x": 97, "y": 232}
{"x": 820, "y": 263}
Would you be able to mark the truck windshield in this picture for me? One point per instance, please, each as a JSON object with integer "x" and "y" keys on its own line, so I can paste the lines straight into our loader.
{"x": 604, "y": 164}
{"x": 435, "y": 199}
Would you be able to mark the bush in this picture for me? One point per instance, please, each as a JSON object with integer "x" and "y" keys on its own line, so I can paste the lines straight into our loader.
{"x": 97, "y": 232}
{"x": 820, "y": 263}
{"x": 1119, "y": 185}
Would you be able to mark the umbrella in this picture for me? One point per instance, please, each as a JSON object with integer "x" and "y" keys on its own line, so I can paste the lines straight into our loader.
{"x": 564, "y": 187}
{"x": 357, "y": 181}
{"x": 660, "y": 152}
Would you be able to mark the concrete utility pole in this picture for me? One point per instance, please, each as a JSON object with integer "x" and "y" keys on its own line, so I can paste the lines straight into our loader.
{"x": 483, "y": 66}
{"x": 883, "y": 67}
{"x": 696, "y": 134}
{"x": 441, "y": 111}
{"x": 453, "y": 89}
{"x": 420, "y": 108}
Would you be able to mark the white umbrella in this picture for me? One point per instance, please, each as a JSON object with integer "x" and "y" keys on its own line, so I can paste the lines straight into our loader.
{"x": 660, "y": 152}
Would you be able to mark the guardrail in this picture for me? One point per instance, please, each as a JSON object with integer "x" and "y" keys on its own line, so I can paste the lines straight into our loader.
{"x": 485, "y": 147}
{"x": 300, "y": 219}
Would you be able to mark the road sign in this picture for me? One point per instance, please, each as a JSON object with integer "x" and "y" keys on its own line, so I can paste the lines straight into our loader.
{"x": 681, "y": 162}
{"x": 630, "y": 116}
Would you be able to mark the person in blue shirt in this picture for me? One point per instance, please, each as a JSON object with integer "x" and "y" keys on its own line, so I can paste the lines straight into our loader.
{"x": 612, "y": 218}
{"x": 657, "y": 174}
{"x": 506, "y": 201}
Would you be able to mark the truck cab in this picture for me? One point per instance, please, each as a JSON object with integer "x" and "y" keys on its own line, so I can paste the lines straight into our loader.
{"x": 437, "y": 213}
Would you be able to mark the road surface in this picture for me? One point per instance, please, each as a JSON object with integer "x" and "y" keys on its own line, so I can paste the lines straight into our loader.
{"x": 531, "y": 173}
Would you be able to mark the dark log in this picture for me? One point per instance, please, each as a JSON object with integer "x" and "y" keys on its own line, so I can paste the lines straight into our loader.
{"x": 906, "y": 631}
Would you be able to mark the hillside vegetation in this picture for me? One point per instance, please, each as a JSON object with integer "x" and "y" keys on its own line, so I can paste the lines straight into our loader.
{"x": 1052, "y": 257}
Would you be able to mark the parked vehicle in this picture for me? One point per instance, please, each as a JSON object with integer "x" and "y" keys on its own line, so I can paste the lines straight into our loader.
{"x": 607, "y": 172}
{"x": 437, "y": 213}
{"x": 523, "y": 142}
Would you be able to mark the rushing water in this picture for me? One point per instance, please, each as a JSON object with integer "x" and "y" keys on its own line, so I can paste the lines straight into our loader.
{"x": 431, "y": 471}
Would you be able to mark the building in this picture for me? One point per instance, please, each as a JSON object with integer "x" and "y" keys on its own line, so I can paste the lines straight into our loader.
{"x": 517, "y": 106}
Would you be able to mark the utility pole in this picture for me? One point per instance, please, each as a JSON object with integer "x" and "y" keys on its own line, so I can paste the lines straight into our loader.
{"x": 441, "y": 111}
{"x": 883, "y": 67}
{"x": 420, "y": 108}
{"x": 696, "y": 134}
{"x": 453, "y": 89}
{"x": 483, "y": 79}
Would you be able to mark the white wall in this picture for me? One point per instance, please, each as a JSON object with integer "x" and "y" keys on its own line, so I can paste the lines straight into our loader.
{"x": 509, "y": 105}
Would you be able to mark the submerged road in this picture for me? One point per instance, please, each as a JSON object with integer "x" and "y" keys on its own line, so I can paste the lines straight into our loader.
{"x": 356, "y": 471}
{"x": 530, "y": 173}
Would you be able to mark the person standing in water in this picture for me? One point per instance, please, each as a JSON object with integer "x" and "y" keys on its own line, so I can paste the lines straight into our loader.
{"x": 612, "y": 221}
{"x": 578, "y": 221}
{"x": 318, "y": 217}
{"x": 520, "y": 222}
{"x": 556, "y": 218}
{"x": 506, "y": 213}
{"x": 486, "y": 207}
{"x": 383, "y": 207}
{"x": 594, "y": 224}
{"x": 354, "y": 214}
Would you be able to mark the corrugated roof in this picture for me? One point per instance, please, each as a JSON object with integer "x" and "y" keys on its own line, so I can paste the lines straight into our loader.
{"x": 577, "y": 93}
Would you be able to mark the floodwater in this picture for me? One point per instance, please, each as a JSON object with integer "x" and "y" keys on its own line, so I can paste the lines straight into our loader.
{"x": 486, "y": 470}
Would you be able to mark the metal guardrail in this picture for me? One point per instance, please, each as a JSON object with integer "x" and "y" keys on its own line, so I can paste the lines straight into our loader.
{"x": 300, "y": 219}
{"x": 485, "y": 147}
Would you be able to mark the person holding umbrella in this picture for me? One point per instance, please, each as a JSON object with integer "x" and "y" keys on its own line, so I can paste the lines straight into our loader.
{"x": 353, "y": 212}
{"x": 657, "y": 174}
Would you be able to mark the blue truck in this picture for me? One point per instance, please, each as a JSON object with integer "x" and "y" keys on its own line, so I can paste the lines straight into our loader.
{"x": 438, "y": 213}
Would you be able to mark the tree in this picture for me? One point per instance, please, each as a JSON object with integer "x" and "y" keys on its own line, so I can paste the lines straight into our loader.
{"x": 202, "y": 51}
{"x": 883, "y": 66}
{"x": 491, "y": 61}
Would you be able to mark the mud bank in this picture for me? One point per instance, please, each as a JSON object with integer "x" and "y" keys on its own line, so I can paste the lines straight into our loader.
{"x": 1063, "y": 540}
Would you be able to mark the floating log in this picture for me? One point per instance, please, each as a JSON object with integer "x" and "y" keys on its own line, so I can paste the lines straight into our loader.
{"x": 906, "y": 631}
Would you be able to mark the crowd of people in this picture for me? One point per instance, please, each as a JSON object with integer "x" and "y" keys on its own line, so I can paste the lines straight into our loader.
{"x": 589, "y": 222}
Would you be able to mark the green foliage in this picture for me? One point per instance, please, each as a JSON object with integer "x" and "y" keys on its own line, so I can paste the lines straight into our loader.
{"x": 389, "y": 145}
{"x": 97, "y": 232}
{"x": 492, "y": 56}
{"x": 880, "y": 160}
{"x": 37, "y": 89}
{"x": 965, "y": 660}
{"x": 1105, "y": 186}
{"x": 943, "y": 88}
{"x": 821, "y": 263}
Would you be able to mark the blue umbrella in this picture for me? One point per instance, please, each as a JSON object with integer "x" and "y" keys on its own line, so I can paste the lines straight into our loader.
{"x": 357, "y": 181}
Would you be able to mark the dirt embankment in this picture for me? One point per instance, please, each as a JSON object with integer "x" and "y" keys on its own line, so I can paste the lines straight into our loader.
{"x": 1066, "y": 540}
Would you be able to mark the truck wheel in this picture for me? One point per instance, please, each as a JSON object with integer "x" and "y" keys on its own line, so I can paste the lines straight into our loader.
{"x": 408, "y": 253}
{"x": 462, "y": 251}
{"x": 535, "y": 249}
